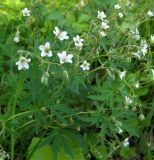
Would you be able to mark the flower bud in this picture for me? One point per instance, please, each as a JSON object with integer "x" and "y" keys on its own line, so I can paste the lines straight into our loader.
{"x": 141, "y": 117}
{"x": 65, "y": 74}
{"x": 44, "y": 78}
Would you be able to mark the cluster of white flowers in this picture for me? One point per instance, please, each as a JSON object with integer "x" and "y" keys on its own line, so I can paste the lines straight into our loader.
{"x": 135, "y": 34}
{"x": 118, "y": 7}
{"x": 142, "y": 49}
{"x": 3, "y": 154}
{"x": 78, "y": 42}
{"x": 45, "y": 49}
{"x": 105, "y": 23}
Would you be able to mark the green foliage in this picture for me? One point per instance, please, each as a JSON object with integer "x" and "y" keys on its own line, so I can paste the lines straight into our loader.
{"x": 57, "y": 110}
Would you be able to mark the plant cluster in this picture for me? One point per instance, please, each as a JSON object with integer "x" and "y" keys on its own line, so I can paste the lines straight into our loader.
{"x": 77, "y": 79}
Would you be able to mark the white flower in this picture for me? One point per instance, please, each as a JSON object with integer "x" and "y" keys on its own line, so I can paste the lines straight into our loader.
{"x": 64, "y": 58}
{"x": 104, "y": 25}
{"x": 85, "y": 65}
{"x": 120, "y": 15}
{"x": 23, "y": 63}
{"x": 16, "y": 39}
{"x": 150, "y": 13}
{"x": 61, "y": 35}
{"x": 117, "y": 6}
{"x": 128, "y": 100}
{"x": 103, "y": 34}
{"x": 152, "y": 38}
{"x": 141, "y": 117}
{"x": 122, "y": 74}
{"x": 101, "y": 15}
{"x": 78, "y": 42}
{"x": 45, "y": 50}
{"x": 126, "y": 142}
{"x": 25, "y": 12}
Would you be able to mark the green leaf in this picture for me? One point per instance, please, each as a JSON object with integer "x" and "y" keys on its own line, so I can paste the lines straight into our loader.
{"x": 43, "y": 153}
{"x": 127, "y": 152}
{"x": 55, "y": 15}
{"x": 131, "y": 126}
{"x": 80, "y": 27}
{"x": 70, "y": 18}
{"x": 84, "y": 18}
{"x": 100, "y": 152}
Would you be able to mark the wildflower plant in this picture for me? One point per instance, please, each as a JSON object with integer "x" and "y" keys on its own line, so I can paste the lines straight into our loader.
{"x": 77, "y": 79}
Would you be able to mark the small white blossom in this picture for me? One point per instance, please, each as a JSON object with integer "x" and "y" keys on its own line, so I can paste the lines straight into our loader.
{"x": 105, "y": 25}
{"x": 61, "y": 35}
{"x": 101, "y": 15}
{"x": 126, "y": 142}
{"x": 85, "y": 65}
{"x": 150, "y": 13}
{"x": 117, "y": 6}
{"x": 23, "y": 63}
{"x": 3, "y": 154}
{"x": 152, "y": 38}
{"x": 45, "y": 50}
{"x": 141, "y": 117}
{"x": 128, "y": 100}
{"x": 78, "y": 42}
{"x": 103, "y": 34}
{"x": 26, "y": 12}
{"x": 122, "y": 74}
{"x": 120, "y": 15}
{"x": 64, "y": 58}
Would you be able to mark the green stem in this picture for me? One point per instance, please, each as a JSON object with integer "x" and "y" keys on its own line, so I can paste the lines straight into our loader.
{"x": 16, "y": 95}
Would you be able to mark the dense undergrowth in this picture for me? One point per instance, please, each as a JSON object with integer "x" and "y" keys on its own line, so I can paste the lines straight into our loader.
{"x": 76, "y": 79}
